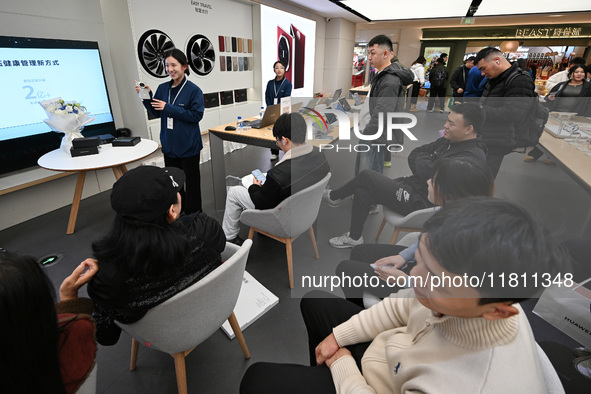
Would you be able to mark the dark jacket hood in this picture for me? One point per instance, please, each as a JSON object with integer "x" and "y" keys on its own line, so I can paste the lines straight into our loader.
{"x": 405, "y": 74}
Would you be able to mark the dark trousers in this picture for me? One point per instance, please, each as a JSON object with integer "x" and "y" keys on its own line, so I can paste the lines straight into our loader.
{"x": 416, "y": 87}
{"x": 436, "y": 92}
{"x": 321, "y": 312}
{"x": 494, "y": 163}
{"x": 191, "y": 194}
{"x": 371, "y": 188}
{"x": 359, "y": 265}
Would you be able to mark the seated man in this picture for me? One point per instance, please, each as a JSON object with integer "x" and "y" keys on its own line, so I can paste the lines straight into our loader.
{"x": 302, "y": 166}
{"x": 407, "y": 194}
{"x": 463, "y": 334}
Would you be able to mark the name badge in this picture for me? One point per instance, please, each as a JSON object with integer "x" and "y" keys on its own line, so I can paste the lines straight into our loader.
{"x": 275, "y": 100}
{"x": 169, "y": 123}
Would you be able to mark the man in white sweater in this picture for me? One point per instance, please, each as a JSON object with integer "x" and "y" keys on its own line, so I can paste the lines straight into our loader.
{"x": 463, "y": 334}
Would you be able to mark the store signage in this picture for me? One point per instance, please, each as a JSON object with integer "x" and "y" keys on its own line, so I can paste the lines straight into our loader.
{"x": 548, "y": 32}
{"x": 201, "y": 8}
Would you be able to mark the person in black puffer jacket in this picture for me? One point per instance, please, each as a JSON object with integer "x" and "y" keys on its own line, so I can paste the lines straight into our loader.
{"x": 505, "y": 104}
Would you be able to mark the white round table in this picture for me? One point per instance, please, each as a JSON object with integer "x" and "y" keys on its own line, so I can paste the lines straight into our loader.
{"x": 108, "y": 157}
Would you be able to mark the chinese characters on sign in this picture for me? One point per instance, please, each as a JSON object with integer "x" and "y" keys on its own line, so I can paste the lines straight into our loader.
{"x": 548, "y": 32}
{"x": 201, "y": 8}
{"x": 28, "y": 63}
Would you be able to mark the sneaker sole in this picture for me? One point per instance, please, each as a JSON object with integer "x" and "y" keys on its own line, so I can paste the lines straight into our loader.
{"x": 342, "y": 246}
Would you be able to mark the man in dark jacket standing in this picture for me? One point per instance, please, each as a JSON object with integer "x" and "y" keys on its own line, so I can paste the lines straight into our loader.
{"x": 301, "y": 166}
{"x": 459, "y": 77}
{"x": 505, "y": 100}
{"x": 385, "y": 95}
{"x": 438, "y": 77}
{"x": 408, "y": 194}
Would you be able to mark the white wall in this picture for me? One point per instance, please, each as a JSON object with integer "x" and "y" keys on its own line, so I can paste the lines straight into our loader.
{"x": 338, "y": 55}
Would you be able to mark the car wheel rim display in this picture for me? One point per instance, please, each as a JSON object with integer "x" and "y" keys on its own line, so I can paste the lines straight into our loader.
{"x": 201, "y": 55}
{"x": 152, "y": 47}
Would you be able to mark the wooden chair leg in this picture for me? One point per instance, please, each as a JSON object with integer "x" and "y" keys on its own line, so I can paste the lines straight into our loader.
{"x": 381, "y": 228}
{"x": 251, "y": 233}
{"x": 313, "y": 239}
{"x": 238, "y": 332}
{"x": 289, "y": 262}
{"x": 395, "y": 236}
{"x": 181, "y": 373}
{"x": 134, "y": 348}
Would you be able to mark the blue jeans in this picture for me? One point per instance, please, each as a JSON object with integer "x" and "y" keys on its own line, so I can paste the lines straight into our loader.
{"x": 370, "y": 160}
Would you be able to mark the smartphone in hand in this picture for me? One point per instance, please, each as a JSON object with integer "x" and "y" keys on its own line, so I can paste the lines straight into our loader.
{"x": 259, "y": 176}
{"x": 144, "y": 92}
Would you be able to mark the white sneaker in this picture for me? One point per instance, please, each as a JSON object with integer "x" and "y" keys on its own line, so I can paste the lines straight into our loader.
{"x": 441, "y": 111}
{"x": 430, "y": 110}
{"x": 344, "y": 241}
{"x": 274, "y": 156}
{"x": 331, "y": 202}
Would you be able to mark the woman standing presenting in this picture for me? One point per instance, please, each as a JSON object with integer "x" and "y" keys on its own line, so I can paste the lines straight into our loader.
{"x": 277, "y": 89}
{"x": 179, "y": 104}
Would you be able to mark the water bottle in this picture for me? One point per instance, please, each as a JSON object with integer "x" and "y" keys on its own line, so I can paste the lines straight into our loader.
{"x": 262, "y": 112}
{"x": 239, "y": 124}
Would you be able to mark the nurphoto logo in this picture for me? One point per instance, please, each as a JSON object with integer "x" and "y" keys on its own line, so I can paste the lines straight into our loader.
{"x": 393, "y": 122}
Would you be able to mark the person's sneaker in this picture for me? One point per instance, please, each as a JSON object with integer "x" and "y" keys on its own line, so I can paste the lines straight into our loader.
{"x": 430, "y": 110}
{"x": 413, "y": 109}
{"x": 236, "y": 241}
{"x": 344, "y": 241}
{"x": 550, "y": 162}
{"x": 529, "y": 159}
{"x": 387, "y": 164}
{"x": 375, "y": 209}
{"x": 330, "y": 201}
{"x": 441, "y": 110}
{"x": 274, "y": 156}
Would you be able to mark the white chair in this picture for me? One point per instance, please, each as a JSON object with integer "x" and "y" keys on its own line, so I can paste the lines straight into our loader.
{"x": 289, "y": 219}
{"x": 182, "y": 322}
{"x": 412, "y": 222}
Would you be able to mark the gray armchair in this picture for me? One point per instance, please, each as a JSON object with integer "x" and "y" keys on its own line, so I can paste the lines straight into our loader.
{"x": 412, "y": 222}
{"x": 289, "y": 219}
{"x": 182, "y": 322}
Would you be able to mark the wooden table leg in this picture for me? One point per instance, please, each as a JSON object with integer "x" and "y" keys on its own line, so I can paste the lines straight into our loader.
{"x": 119, "y": 171}
{"x": 76, "y": 202}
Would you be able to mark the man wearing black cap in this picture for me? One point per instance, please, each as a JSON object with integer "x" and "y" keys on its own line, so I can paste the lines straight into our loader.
{"x": 151, "y": 252}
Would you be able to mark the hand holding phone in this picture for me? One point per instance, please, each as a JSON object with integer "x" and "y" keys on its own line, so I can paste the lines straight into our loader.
{"x": 259, "y": 176}
{"x": 143, "y": 90}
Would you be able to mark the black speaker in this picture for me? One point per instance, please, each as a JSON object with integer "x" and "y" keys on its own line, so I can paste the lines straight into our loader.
{"x": 85, "y": 142}
{"x": 240, "y": 95}
{"x": 227, "y": 97}
{"x": 211, "y": 100}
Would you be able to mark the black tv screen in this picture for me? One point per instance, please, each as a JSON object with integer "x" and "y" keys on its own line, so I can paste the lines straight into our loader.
{"x": 36, "y": 69}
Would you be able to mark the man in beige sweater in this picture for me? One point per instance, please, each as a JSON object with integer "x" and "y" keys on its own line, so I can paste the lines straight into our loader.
{"x": 459, "y": 330}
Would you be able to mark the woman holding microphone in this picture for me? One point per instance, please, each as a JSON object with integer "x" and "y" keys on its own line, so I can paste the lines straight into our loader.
{"x": 277, "y": 88}
{"x": 179, "y": 104}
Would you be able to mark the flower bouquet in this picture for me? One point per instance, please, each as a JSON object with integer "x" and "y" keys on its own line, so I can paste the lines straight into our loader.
{"x": 66, "y": 117}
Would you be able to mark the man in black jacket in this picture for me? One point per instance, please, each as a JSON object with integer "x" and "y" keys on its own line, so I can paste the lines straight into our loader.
{"x": 459, "y": 77}
{"x": 438, "y": 77}
{"x": 302, "y": 166}
{"x": 408, "y": 194}
{"x": 505, "y": 99}
{"x": 385, "y": 95}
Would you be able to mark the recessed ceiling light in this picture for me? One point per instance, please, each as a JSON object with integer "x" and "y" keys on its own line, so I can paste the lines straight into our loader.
{"x": 555, "y": 16}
